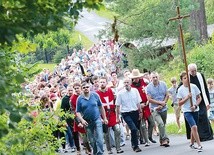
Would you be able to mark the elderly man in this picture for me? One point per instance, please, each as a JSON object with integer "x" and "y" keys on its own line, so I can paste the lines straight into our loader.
{"x": 204, "y": 127}
{"x": 128, "y": 103}
{"x": 157, "y": 95}
{"x": 89, "y": 108}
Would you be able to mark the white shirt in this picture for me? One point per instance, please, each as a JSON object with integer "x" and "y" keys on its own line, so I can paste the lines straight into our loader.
{"x": 183, "y": 92}
{"x": 128, "y": 100}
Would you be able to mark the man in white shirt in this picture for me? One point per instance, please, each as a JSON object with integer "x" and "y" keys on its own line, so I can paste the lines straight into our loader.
{"x": 128, "y": 103}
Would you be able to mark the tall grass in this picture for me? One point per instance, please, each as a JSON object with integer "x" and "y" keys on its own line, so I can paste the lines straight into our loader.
{"x": 172, "y": 128}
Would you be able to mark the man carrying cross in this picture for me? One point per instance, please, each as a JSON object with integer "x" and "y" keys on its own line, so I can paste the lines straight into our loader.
{"x": 179, "y": 17}
{"x": 190, "y": 111}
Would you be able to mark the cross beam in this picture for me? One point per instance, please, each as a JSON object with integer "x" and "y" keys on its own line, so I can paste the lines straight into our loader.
{"x": 179, "y": 17}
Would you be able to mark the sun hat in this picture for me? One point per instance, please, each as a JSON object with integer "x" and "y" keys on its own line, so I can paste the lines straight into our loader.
{"x": 135, "y": 74}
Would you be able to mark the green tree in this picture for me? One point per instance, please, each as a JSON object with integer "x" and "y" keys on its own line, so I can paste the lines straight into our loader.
{"x": 27, "y": 17}
{"x": 209, "y": 5}
{"x": 199, "y": 22}
{"x": 51, "y": 44}
{"x": 37, "y": 16}
{"x": 145, "y": 23}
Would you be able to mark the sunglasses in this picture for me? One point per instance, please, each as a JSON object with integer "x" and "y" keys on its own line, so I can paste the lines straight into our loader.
{"x": 53, "y": 100}
{"x": 85, "y": 87}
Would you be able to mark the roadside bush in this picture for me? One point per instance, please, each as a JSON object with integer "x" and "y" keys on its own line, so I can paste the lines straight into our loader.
{"x": 32, "y": 135}
{"x": 203, "y": 56}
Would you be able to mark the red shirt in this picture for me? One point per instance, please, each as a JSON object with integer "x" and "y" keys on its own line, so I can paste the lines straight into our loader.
{"x": 141, "y": 90}
{"x": 107, "y": 99}
{"x": 73, "y": 101}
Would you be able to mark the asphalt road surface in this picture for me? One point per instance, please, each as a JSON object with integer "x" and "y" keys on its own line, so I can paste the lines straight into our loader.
{"x": 179, "y": 145}
{"x": 90, "y": 24}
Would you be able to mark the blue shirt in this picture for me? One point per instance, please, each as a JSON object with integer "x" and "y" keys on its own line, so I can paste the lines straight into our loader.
{"x": 89, "y": 108}
{"x": 157, "y": 93}
{"x": 172, "y": 92}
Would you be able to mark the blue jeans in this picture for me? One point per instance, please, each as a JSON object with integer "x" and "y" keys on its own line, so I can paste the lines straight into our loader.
{"x": 95, "y": 136}
{"x": 131, "y": 119}
{"x": 69, "y": 136}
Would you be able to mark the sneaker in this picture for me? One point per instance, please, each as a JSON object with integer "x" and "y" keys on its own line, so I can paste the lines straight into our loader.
{"x": 152, "y": 140}
{"x": 142, "y": 142}
{"x": 64, "y": 151}
{"x": 127, "y": 137}
{"x": 120, "y": 151}
{"x": 78, "y": 152}
{"x": 123, "y": 144}
{"x": 165, "y": 143}
{"x": 192, "y": 146}
{"x": 200, "y": 149}
{"x": 147, "y": 144}
{"x": 72, "y": 149}
{"x": 110, "y": 152}
{"x": 137, "y": 149}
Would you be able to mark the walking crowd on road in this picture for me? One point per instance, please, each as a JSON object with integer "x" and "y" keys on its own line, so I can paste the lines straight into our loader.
{"x": 109, "y": 110}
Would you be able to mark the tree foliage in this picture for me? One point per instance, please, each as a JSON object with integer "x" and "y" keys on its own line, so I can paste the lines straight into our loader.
{"x": 33, "y": 137}
{"x": 143, "y": 19}
{"x": 203, "y": 56}
{"x": 62, "y": 53}
{"x": 19, "y": 18}
{"x": 37, "y": 16}
{"x": 11, "y": 75}
{"x": 209, "y": 4}
{"x": 146, "y": 24}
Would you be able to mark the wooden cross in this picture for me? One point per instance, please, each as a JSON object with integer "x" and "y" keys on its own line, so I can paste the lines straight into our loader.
{"x": 179, "y": 17}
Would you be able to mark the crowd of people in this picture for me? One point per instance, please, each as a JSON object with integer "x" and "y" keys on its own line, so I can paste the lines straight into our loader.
{"x": 107, "y": 109}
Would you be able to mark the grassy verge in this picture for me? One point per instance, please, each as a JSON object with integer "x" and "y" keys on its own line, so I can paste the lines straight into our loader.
{"x": 172, "y": 128}
{"x": 79, "y": 37}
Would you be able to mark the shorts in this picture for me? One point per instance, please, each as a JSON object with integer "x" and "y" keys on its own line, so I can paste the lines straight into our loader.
{"x": 211, "y": 116}
{"x": 192, "y": 118}
{"x": 177, "y": 110}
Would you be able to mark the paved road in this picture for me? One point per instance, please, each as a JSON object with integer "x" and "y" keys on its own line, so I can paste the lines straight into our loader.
{"x": 90, "y": 24}
{"x": 179, "y": 145}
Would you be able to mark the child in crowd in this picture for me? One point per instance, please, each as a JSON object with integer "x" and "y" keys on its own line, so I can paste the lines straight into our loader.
{"x": 173, "y": 96}
{"x": 210, "y": 83}
{"x": 190, "y": 111}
